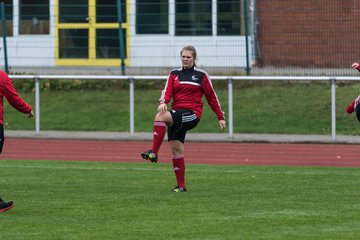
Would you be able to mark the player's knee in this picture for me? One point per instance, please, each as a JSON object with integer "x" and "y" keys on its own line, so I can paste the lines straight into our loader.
{"x": 163, "y": 117}
{"x": 158, "y": 117}
{"x": 177, "y": 151}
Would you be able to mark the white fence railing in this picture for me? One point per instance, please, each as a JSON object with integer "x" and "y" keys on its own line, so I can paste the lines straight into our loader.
{"x": 229, "y": 79}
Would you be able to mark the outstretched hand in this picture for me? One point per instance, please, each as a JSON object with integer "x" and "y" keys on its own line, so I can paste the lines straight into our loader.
{"x": 355, "y": 65}
{"x": 222, "y": 124}
{"x": 30, "y": 114}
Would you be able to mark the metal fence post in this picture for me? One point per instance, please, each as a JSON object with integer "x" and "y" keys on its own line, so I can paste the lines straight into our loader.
{"x": 37, "y": 106}
{"x": 246, "y": 37}
{"x": 132, "y": 124}
{"x": 120, "y": 34}
{"x": 230, "y": 96}
{"x": 4, "y": 33}
{"x": 333, "y": 109}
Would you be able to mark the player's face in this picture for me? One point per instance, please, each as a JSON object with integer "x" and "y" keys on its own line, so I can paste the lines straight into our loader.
{"x": 187, "y": 59}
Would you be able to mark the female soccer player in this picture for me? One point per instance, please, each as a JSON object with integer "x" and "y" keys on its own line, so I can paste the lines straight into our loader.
{"x": 185, "y": 86}
{"x": 8, "y": 91}
{"x": 354, "y": 105}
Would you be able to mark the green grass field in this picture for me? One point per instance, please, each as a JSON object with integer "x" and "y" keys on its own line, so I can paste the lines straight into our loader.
{"x": 92, "y": 200}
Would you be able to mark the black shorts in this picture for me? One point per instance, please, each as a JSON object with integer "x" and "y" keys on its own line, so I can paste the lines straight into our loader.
{"x": 2, "y": 138}
{"x": 184, "y": 120}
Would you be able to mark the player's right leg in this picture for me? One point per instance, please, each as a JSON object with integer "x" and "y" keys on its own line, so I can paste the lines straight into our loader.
{"x": 162, "y": 119}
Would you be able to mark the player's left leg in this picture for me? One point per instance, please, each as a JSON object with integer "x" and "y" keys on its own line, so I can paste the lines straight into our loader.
{"x": 177, "y": 149}
{"x": 184, "y": 120}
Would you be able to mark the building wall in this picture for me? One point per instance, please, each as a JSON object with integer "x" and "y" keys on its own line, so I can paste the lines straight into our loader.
{"x": 308, "y": 33}
{"x": 165, "y": 51}
{"x": 30, "y": 50}
{"x": 144, "y": 50}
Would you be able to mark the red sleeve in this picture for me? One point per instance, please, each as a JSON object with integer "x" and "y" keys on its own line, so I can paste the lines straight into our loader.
{"x": 211, "y": 97}
{"x": 167, "y": 93}
{"x": 350, "y": 108}
{"x": 12, "y": 96}
{"x": 358, "y": 68}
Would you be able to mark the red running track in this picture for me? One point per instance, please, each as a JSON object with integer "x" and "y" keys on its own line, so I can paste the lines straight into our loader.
{"x": 339, "y": 155}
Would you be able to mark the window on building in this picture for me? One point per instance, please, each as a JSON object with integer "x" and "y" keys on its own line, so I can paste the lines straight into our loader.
{"x": 107, "y": 43}
{"x": 152, "y": 16}
{"x": 8, "y": 18}
{"x": 73, "y": 43}
{"x": 73, "y": 11}
{"x": 106, "y": 11}
{"x": 193, "y": 18}
{"x": 228, "y": 17}
{"x": 34, "y": 17}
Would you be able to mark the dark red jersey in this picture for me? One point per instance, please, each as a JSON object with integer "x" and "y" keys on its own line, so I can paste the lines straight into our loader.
{"x": 8, "y": 91}
{"x": 186, "y": 87}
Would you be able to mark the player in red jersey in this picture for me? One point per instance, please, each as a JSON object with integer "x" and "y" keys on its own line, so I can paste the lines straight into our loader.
{"x": 354, "y": 105}
{"x": 185, "y": 86}
{"x": 8, "y": 91}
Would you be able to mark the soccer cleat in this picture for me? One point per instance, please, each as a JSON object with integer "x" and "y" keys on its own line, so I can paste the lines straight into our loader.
{"x": 149, "y": 155}
{"x": 5, "y": 205}
{"x": 178, "y": 189}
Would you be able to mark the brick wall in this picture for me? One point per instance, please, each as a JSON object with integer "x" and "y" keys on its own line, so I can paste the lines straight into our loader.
{"x": 308, "y": 33}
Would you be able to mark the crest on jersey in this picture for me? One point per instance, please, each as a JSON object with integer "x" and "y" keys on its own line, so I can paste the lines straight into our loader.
{"x": 194, "y": 78}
